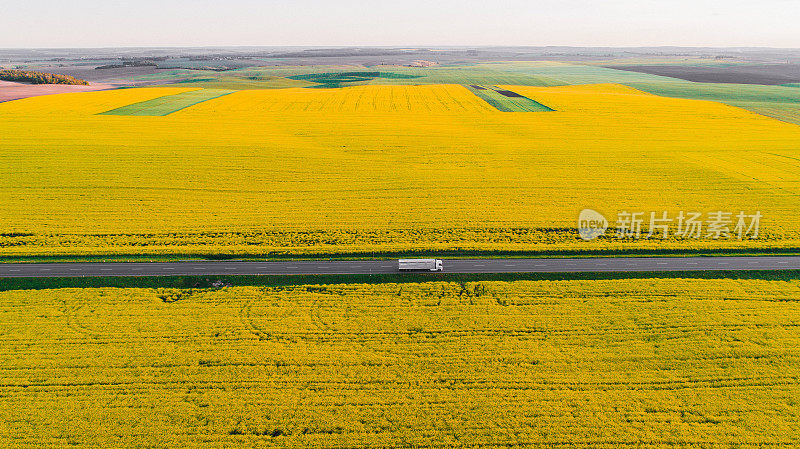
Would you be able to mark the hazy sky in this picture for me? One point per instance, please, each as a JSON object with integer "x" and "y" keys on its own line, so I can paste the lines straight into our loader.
{"x": 105, "y": 23}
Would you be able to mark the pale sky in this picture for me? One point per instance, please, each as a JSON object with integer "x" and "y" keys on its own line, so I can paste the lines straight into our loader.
{"x": 111, "y": 23}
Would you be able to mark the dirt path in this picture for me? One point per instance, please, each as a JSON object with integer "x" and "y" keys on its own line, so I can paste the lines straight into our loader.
{"x": 15, "y": 91}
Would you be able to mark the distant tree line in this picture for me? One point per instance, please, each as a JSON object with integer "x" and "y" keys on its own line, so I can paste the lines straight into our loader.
{"x": 130, "y": 63}
{"x": 26, "y": 76}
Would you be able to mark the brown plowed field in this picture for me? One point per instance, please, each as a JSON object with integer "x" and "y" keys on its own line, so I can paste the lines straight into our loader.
{"x": 14, "y": 91}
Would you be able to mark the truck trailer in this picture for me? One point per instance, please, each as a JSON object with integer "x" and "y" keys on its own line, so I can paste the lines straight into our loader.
{"x": 419, "y": 265}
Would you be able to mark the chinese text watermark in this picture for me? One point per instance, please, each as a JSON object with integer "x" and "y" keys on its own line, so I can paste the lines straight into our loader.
{"x": 661, "y": 225}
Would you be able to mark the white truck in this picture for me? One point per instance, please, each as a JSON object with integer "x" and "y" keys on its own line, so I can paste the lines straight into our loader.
{"x": 419, "y": 264}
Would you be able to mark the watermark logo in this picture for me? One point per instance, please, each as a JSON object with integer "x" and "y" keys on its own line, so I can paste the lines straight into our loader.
{"x": 715, "y": 225}
{"x": 591, "y": 224}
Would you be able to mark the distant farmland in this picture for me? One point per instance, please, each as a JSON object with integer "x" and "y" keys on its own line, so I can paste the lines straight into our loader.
{"x": 773, "y": 101}
{"x": 387, "y": 169}
{"x": 646, "y": 362}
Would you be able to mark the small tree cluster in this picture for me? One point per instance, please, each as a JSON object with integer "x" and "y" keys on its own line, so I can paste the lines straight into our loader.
{"x": 26, "y": 76}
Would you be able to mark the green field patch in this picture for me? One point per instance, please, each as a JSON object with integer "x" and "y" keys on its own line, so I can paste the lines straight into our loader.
{"x": 779, "y": 102}
{"x": 195, "y": 80}
{"x": 479, "y": 75}
{"x": 568, "y": 74}
{"x": 169, "y": 103}
{"x": 337, "y": 79}
{"x": 785, "y": 112}
{"x": 724, "y": 93}
{"x": 506, "y": 100}
{"x": 245, "y": 82}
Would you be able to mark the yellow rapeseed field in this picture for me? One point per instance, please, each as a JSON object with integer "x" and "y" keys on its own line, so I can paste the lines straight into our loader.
{"x": 381, "y": 168}
{"x": 604, "y": 363}
{"x": 248, "y": 104}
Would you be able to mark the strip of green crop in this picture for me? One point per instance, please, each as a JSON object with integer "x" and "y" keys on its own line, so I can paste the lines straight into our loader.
{"x": 786, "y": 112}
{"x": 779, "y": 102}
{"x": 505, "y": 103}
{"x": 341, "y": 79}
{"x": 170, "y": 103}
{"x": 725, "y": 93}
{"x": 564, "y": 74}
{"x": 478, "y": 75}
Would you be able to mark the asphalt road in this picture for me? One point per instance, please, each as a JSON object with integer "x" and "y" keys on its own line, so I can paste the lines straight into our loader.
{"x": 617, "y": 264}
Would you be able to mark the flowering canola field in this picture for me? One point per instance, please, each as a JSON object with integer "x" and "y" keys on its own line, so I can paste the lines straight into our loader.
{"x": 604, "y": 363}
{"x": 381, "y": 169}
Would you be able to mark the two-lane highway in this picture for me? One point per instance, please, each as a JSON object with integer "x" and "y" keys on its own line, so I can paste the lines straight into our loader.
{"x": 312, "y": 267}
